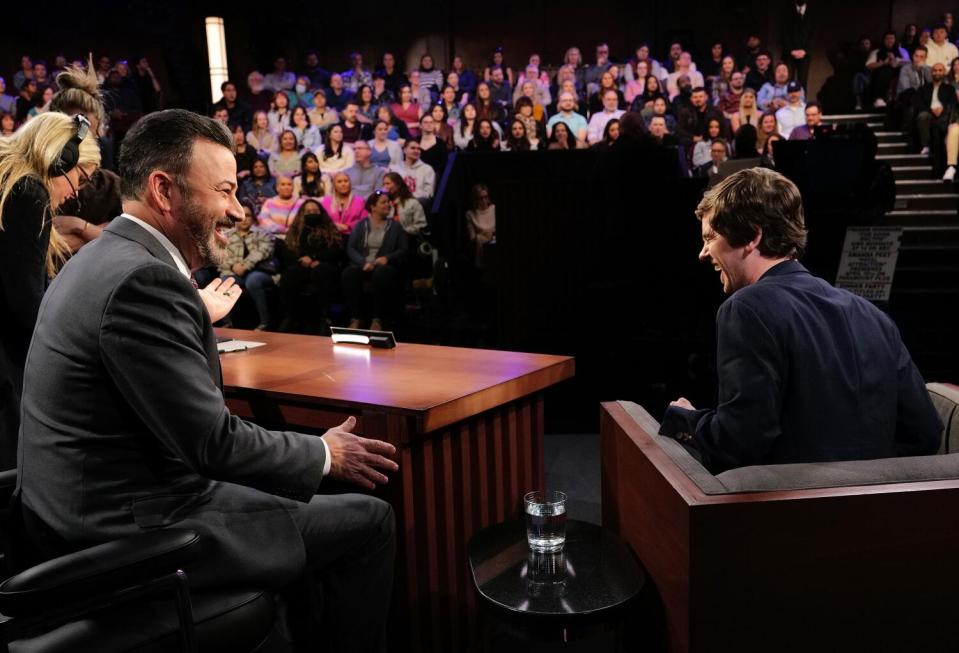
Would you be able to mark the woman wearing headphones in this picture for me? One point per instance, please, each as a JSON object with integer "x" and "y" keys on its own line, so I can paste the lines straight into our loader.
{"x": 42, "y": 164}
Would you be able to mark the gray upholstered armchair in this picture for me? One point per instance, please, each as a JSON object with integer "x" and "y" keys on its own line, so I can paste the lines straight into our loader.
{"x": 860, "y": 555}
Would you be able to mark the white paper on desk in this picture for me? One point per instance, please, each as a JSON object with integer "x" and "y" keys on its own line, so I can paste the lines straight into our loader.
{"x": 237, "y": 345}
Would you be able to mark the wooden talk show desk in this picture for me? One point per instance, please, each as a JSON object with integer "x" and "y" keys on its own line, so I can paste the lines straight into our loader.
{"x": 468, "y": 428}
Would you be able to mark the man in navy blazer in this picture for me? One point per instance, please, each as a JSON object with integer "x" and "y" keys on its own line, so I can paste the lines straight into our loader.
{"x": 807, "y": 372}
{"x": 125, "y": 428}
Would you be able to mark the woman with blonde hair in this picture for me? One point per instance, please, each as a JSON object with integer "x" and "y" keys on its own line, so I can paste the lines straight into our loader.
{"x": 263, "y": 139}
{"x": 42, "y": 164}
{"x": 749, "y": 112}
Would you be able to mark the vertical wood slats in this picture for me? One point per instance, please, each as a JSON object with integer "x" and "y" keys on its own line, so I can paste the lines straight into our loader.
{"x": 456, "y": 482}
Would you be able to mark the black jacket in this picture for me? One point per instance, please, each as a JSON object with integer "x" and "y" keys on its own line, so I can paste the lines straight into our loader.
{"x": 947, "y": 96}
{"x": 24, "y": 240}
{"x": 797, "y": 30}
{"x": 394, "y": 248}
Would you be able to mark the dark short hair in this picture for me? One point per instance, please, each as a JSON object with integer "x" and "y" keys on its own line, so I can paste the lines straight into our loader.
{"x": 754, "y": 200}
{"x": 164, "y": 141}
{"x": 699, "y": 89}
{"x": 225, "y": 84}
{"x": 813, "y": 104}
{"x": 921, "y": 47}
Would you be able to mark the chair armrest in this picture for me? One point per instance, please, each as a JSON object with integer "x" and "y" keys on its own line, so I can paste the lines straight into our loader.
{"x": 98, "y": 570}
{"x": 8, "y": 483}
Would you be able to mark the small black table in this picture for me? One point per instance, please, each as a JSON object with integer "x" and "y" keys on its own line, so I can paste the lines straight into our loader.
{"x": 587, "y": 583}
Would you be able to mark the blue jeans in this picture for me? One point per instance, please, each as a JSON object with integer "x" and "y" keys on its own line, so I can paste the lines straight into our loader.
{"x": 255, "y": 283}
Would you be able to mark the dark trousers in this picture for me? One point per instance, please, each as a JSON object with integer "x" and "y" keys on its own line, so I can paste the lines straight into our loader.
{"x": 344, "y": 601}
{"x": 320, "y": 281}
{"x": 384, "y": 284}
{"x": 800, "y": 68}
{"x": 883, "y": 78}
{"x": 255, "y": 283}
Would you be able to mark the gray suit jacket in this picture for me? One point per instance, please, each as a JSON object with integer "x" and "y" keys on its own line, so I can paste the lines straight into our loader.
{"x": 125, "y": 428}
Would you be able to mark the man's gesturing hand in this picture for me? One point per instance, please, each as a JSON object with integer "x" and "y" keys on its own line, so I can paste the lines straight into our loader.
{"x": 355, "y": 459}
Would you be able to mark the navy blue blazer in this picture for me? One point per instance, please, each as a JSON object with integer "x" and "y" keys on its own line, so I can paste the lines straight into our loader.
{"x": 807, "y": 373}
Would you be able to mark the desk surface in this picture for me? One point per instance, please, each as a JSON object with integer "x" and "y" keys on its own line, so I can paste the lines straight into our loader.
{"x": 441, "y": 385}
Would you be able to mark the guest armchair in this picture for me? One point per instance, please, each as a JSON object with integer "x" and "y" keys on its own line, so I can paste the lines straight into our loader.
{"x": 855, "y": 555}
{"x": 124, "y": 595}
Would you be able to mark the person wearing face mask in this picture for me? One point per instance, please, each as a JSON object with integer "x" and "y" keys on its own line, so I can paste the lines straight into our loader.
{"x": 798, "y": 31}
{"x": 312, "y": 259}
{"x": 43, "y": 164}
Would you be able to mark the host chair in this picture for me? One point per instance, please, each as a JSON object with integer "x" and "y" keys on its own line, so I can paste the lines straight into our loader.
{"x": 127, "y": 595}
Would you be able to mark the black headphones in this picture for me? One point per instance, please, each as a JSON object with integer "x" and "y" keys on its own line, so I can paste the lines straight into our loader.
{"x": 70, "y": 154}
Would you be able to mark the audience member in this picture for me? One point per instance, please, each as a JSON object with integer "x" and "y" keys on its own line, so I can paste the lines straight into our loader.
{"x": 302, "y": 97}
{"x": 393, "y": 79}
{"x": 762, "y": 73}
{"x": 336, "y": 154}
{"x": 516, "y": 139}
{"x": 486, "y": 138}
{"x": 433, "y": 150}
{"x": 384, "y": 151}
{"x": 280, "y": 113}
{"x": 748, "y": 56}
{"x": 239, "y": 111}
{"x": 7, "y": 124}
{"x": 248, "y": 260}
{"x": 794, "y": 113}
{"x": 376, "y": 250}
{"x": 498, "y": 59}
{"x": 307, "y": 135}
{"x": 406, "y": 209}
{"x": 26, "y": 72}
{"x": 481, "y": 220}
{"x": 366, "y": 105}
{"x": 309, "y": 183}
{"x": 730, "y": 99}
{"x": 857, "y": 64}
{"x": 692, "y": 122}
{"x": 444, "y": 131}
{"x": 500, "y": 90}
{"x": 313, "y": 255}
{"x": 277, "y": 211}
{"x": 365, "y": 176}
{"x": 258, "y": 96}
{"x": 611, "y": 133}
{"x": 936, "y": 108}
{"x": 280, "y": 79}
{"x": 768, "y": 128}
{"x": 407, "y": 111}
{"x": 466, "y": 77}
{"x": 464, "y": 128}
{"x": 261, "y": 137}
{"x": 356, "y": 76}
{"x": 430, "y": 76}
{"x": 337, "y": 95}
{"x": 610, "y": 111}
{"x": 717, "y": 154}
{"x": 910, "y": 38}
{"x": 344, "y": 207}
{"x": 597, "y": 101}
{"x": 912, "y": 77}
{"x": 8, "y": 103}
{"x": 535, "y": 127}
{"x": 382, "y": 94}
{"x": 286, "y": 160}
{"x": 798, "y": 31}
{"x": 684, "y": 68}
{"x": 702, "y": 149}
{"x": 319, "y": 77}
{"x": 420, "y": 95}
{"x": 939, "y": 49}
{"x": 487, "y": 108}
{"x": 259, "y": 186}
{"x": 636, "y": 83}
{"x": 419, "y": 177}
{"x": 353, "y": 129}
{"x": 813, "y": 115}
{"x": 577, "y": 123}
{"x": 884, "y": 63}
{"x": 322, "y": 116}
{"x": 397, "y": 130}
{"x": 675, "y": 52}
{"x": 448, "y": 100}
{"x": 245, "y": 154}
{"x": 561, "y": 138}
{"x": 772, "y": 96}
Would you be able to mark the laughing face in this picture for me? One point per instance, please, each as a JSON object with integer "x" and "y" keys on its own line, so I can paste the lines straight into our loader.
{"x": 725, "y": 259}
{"x": 209, "y": 208}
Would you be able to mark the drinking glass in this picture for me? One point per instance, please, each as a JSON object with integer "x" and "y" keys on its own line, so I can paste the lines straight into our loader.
{"x": 546, "y": 520}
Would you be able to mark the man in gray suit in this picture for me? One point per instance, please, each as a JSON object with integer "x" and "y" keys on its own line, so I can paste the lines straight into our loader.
{"x": 124, "y": 424}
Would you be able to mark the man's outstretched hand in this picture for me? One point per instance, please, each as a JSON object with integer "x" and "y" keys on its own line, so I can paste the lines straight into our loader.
{"x": 682, "y": 402}
{"x": 219, "y": 297}
{"x": 355, "y": 459}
